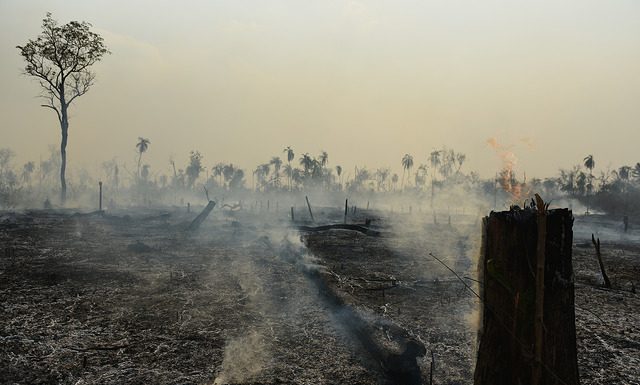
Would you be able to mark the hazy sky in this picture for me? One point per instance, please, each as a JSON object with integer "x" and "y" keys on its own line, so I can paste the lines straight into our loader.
{"x": 367, "y": 81}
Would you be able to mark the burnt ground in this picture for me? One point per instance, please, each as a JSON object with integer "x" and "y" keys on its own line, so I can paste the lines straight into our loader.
{"x": 133, "y": 298}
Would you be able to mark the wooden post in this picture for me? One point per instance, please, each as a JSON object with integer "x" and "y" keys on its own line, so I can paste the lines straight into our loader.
{"x": 625, "y": 221}
{"x": 346, "y": 209}
{"x": 309, "y": 206}
{"x": 195, "y": 224}
{"x": 100, "y": 204}
{"x": 596, "y": 244}
{"x": 188, "y": 207}
{"x": 293, "y": 218}
{"x": 526, "y": 269}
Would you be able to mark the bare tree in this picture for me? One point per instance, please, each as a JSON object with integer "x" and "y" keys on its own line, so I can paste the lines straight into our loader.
{"x": 60, "y": 59}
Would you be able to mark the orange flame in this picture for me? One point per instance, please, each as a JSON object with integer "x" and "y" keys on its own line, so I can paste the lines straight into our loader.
{"x": 509, "y": 161}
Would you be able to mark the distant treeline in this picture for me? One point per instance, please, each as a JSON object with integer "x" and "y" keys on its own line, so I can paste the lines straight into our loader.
{"x": 29, "y": 185}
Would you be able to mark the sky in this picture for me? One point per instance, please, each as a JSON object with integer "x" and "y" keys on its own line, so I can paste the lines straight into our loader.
{"x": 366, "y": 81}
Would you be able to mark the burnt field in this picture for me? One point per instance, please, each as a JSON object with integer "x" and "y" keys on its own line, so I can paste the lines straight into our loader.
{"x": 134, "y": 297}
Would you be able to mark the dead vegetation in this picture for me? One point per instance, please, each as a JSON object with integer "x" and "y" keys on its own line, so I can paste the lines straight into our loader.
{"x": 134, "y": 298}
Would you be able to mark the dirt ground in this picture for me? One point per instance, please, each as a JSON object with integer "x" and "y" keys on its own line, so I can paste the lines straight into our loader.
{"x": 132, "y": 297}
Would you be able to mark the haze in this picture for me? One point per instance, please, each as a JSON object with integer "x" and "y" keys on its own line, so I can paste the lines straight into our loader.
{"x": 365, "y": 81}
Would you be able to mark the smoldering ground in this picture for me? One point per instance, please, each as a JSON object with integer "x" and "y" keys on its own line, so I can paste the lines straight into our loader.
{"x": 131, "y": 296}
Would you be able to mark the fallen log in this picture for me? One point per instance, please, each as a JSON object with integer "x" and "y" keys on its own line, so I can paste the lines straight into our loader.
{"x": 233, "y": 207}
{"x": 396, "y": 367}
{"x": 195, "y": 224}
{"x": 340, "y": 226}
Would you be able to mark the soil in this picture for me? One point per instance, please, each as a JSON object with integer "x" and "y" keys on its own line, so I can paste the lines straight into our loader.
{"x": 134, "y": 297}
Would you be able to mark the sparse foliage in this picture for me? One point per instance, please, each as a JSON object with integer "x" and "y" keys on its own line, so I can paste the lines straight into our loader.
{"x": 60, "y": 59}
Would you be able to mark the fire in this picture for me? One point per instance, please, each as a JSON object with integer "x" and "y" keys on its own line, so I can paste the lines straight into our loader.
{"x": 509, "y": 161}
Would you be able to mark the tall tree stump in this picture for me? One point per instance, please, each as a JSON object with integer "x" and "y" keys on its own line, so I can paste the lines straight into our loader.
{"x": 195, "y": 224}
{"x": 506, "y": 353}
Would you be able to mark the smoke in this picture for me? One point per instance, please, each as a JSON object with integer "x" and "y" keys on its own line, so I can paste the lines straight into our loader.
{"x": 244, "y": 358}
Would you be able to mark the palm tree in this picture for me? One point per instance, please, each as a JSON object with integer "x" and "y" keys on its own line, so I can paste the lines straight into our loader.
{"x": 581, "y": 183}
{"x": 297, "y": 176}
{"x": 339, "y": 172}
{"x": 447, "y": 161}
{"x": 217, "y": 171}
{"x": 407, "y": 164}
{"x": 228, "y": 170}
{"x": 421, "y": 175}
{"x": 27, "y": 170}
{"x": 589, "y": 163}
{"x": 636, "y": 171}
{"x": 460, "y": 158}
{"x": 307, "y": 162}
{"x": 381, "y": 177}
{"x": 323, "y": 158}
{"x": 261, "y": 173}
{"x": 142, "y": 146}
{"x": 288, "y": 171}
{"x": 277, "y": 163}
{"x": 290, "y": 155}
{"x": 144, "y": 174}
{"x": 434, "y": 159}
{"x": 624, "y": 172}
{"x": 265, "y": 168}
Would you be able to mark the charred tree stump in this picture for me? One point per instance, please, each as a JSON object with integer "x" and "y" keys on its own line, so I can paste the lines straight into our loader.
{"x": 605, "y": 277}
{"x": 346, "y": 208}
{"x": 309, "y": 207}
{"x": 511, "y": 336}
{"x": 195, "y": 224}
{"x": 100, "y": 203}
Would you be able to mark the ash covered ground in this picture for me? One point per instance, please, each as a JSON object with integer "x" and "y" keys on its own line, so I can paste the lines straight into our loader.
{"x": 133, "y": 297}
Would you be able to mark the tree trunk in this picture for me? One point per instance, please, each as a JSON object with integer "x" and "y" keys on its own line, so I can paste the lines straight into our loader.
{"x": 508, "y": 268}
{"x": 64, "y": 125}
{"x": 432, "y": 191}
{"x": 195, "y": 224}
{"x": 538, "y": 326}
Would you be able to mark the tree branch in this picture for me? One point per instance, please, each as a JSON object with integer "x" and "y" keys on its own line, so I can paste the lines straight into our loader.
{"x": 81, "y": 85}
{"x": 53, "y": 108}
